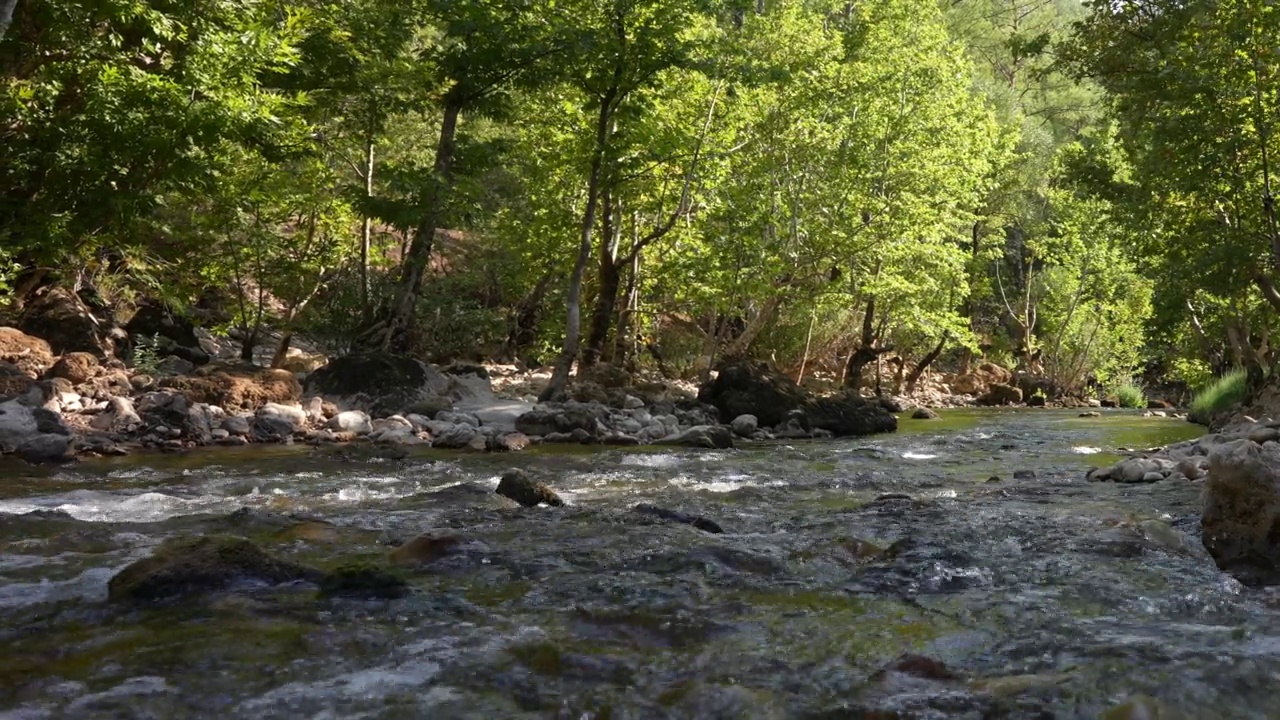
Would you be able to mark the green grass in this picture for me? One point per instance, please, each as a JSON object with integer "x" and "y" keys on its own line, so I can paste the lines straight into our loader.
{"x": 1129, "y": 395}
{"x": 1220, "y": 395}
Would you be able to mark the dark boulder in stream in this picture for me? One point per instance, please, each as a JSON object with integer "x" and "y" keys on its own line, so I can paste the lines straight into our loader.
{"x": 205, "y": 564}
{"x": 676, "y": 516}
{"x": 1242, "y": 510}
{"x": 364, "y": 581}
{"x": 517, "y": 485}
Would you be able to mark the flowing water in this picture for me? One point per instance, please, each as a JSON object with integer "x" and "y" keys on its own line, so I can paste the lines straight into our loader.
{"x": 1046, "y": 597}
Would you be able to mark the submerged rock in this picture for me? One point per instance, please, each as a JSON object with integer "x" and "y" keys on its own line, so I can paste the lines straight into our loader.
{"x": 697, "y": 521}
{"x": 517, "y": 485}
{"x": 366, "y": 581}
{"x": 204, "y": 564}
{"x": 924, "y": 414}
{"x": 423, "y": 549}
{"x": 1242, "y": 511}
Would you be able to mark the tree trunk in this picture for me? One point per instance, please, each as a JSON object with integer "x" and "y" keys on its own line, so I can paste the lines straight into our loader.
{"x": 248, "y": 344}
{"x": 866, "y": 351}
{"x": 573, "y": 325}
{"x": 610, "y": 279}
{"x": 527, "y": 315}
{"x": 366, "y": 228}
{"x": 282, "y": 350}
{"x": 6, "y": 15}
{"x": 395, "y": 335}
{"x": 624, "y": 338}
{"x": 925, "y": 362}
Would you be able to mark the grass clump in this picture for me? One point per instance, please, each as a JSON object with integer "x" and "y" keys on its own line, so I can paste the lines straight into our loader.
{"x": 1222, "y": 394}
{"x": 1130, "y": 395}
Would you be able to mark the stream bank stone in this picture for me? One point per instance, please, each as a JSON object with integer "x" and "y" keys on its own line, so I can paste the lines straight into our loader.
{"x": 381, "y": 383}
{"x": 1241, "y": 518}
{"x": 198, "y": 565}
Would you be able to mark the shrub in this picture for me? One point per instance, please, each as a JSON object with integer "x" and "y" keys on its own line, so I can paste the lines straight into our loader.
{"x": 1220, "y": 395}
{"x": 1130, "y": 395}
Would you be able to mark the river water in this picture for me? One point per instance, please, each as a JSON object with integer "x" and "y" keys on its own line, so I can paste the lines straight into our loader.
{"x": 1045, "y": 596}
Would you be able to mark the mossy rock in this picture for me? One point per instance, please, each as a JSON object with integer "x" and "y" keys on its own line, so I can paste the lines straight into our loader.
{"x": 211, "y": 563}
{"x": 365, "y": 581}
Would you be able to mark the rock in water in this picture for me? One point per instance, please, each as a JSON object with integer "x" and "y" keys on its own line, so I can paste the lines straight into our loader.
{"x": 1242, "y": 511}
{"x": 925, "y": 414}
{"x": 364, "y": 581}
{"x": 697, "y": 521}
{"x": 517, "y": 485}
{"x": 205, "y": 564}
{"x": 424, "y": 549}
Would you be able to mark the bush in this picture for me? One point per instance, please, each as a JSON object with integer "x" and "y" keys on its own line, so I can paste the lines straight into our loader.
{"x": 1224, "y": 393}
{"x": 1130, "y": 395}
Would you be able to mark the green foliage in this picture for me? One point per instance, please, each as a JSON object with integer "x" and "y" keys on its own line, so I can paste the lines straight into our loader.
{"x": 146, "y": 355}
{"x": 1130, "y": 395}
{"x": 1221, "y": 395}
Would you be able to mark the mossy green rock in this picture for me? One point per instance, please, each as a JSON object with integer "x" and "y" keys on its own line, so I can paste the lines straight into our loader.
{"x": 364, "y": 580}
{"x": 205, "y": 564}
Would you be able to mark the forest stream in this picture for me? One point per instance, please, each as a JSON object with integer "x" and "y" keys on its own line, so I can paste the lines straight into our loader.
{"x": 1043, "y": 596}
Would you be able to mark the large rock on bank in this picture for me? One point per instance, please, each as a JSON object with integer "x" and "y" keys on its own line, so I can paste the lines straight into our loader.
{"x": 1242, "y": 510}
{"x": 35, "y": 434}
{"x": 746, "y": 388}
{"x": 774, "y": 399}
{"x": 67, "y": 324}
{"x": 849, "y": 415}
{"x": 30, "y": 354}
{"x": 379, "y": 383}
{"x": 237, "y": 387}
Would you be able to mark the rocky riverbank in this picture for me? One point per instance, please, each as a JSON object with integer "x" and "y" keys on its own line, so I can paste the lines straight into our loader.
{"x": 54, "y": 408}
{"x": 1240, "y": 471}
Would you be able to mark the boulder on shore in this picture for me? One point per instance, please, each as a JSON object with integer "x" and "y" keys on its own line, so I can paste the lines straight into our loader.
{"x": 849, "y": 415}
{"x": 747, "y": 388}
{"x": 1001, "y": 394}
{"x": 237, "y": 387}
{"x": 712, "y": 437}
{"x": 62, "y": 319}
{"x": 1242, "y": 510}
{"x": 35, "y": 434}
{"x": 30, "y": 354}
{"x": 379, "y": 383}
